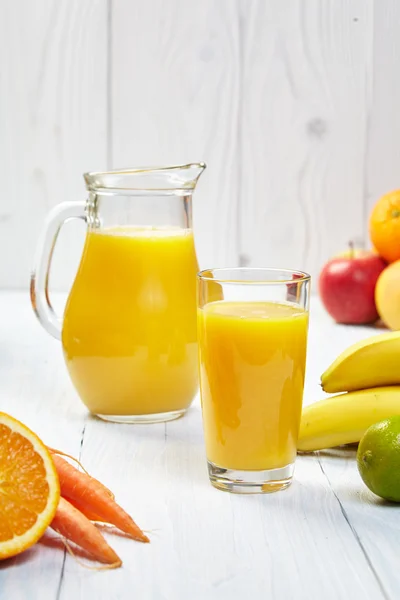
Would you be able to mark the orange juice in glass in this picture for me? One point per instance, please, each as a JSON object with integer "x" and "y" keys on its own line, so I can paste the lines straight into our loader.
{"x": 252, "y": 326}
{"x": 129, "y": 331}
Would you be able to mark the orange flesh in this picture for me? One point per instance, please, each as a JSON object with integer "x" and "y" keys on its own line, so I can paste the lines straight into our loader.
{"x": 24, "y": 489}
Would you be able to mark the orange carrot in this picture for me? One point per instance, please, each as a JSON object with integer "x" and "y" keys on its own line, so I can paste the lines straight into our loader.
{"x": 84, "y": 510}
{"x": 79, "y": 487}
{"x": 59, "y": 454}
{"x": 74, "y": 526}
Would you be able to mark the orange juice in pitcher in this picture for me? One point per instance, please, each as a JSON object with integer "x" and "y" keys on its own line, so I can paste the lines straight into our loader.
{"x": 129, "y": 329}
{"x": 129, "y": 332}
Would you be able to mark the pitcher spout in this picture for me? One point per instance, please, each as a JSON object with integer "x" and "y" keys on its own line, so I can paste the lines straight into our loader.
{"x": 177, "y": 178}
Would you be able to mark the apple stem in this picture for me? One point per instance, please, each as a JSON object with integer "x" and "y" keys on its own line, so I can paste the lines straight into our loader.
{"x": 351, "y": 247}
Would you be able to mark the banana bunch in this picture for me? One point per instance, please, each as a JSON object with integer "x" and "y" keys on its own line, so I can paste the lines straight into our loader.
{"x": 369, "y": 373}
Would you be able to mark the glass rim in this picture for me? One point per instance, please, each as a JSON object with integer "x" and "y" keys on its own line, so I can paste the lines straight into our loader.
{"x": 137, "y": 170}
{"x": 301, "y": 276}
{"x": 178, "y": 177}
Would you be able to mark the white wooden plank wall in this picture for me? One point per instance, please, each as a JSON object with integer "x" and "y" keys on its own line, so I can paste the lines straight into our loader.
{"x": 293, "y": 105}
{"x": 383, "y": 128}
{"x": 53, "y": 121}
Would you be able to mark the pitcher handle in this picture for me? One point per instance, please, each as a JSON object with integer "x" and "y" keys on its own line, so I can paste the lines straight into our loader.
{"x": 40, "y": 274}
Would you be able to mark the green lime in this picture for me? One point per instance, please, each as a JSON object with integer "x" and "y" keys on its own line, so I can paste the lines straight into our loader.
{"x": 378, "y": 458}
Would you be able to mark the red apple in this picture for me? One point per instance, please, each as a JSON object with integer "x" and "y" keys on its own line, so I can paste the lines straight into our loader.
{"x": 347, "y": 286}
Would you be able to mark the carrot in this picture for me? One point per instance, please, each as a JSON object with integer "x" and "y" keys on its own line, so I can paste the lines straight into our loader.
{"x": 59, "y": 454}
{"x": 87, "y": 491}
{"x": 88, "y": 513}
{"x": 74, "y": 526}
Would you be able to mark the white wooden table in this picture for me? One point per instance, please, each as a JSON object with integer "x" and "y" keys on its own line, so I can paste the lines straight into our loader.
{"x": 326, "y": 537}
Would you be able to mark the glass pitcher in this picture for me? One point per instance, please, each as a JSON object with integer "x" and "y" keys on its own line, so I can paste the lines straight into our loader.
{"x": 129, "y": 328}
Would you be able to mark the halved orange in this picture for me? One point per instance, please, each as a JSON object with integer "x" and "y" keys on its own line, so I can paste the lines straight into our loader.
{"x": 29, "y": 487}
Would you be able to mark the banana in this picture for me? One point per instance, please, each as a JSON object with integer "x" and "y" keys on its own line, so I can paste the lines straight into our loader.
{"x": 370, "y": 363}
{"x": 343, "y": 419}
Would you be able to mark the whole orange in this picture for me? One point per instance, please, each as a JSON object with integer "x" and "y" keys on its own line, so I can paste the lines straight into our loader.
{"x": 384, "y": 226}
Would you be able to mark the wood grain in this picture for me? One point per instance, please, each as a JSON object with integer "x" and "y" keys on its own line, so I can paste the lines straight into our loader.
{"x": 326, "y": 536}
{"x": 175, "y": 99}
{"x": 294, "y": 108}
{"x": 306, "y": 77}
{"x": 372, "y": 521}
{"x": 52, "y": 123}
{"x": 40, "y": 394}
{"x": 383, "y": 147}
{"x": 207, "y": 544}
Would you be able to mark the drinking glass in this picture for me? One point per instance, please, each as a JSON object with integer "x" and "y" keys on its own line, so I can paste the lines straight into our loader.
{"x": 252, "y": 331}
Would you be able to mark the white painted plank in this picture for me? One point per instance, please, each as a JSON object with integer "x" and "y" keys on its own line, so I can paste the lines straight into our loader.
{"x": 207, "y": 544}
{"x": 374, "y": 522}
{"x": 52, "y": 123}
{"x": 383, "y": 148}
{"x": 204, "y": 543}
{"x": 34, "y": 387}
{"x": 175, "y": 99}
{"x": 305, "y": 81}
